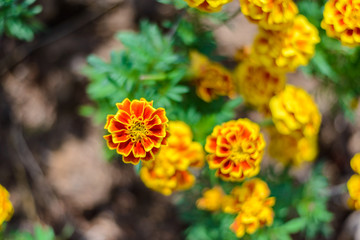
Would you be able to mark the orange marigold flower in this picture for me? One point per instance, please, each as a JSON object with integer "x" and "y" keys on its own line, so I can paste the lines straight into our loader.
{"x": 169, "y": 172}
{"x": 289, "y": 149}
{"x": 257, "y": 84}
{"x": 236, "y": 149}
{"x": 270, "y": 15}
{"x": 6, "y": 208}
{"x": 295, "y": 112}
{"x": 341, "y": 21}
{"x": 137, "y": 130}
{"x": 211, "y": 200}
{"x": 207, "y": 5}
{"x": 355, "y": 163}
{"x": 253, "y": 205}
{"x": 211, "y": 79}
{"x": 288, "y": 49}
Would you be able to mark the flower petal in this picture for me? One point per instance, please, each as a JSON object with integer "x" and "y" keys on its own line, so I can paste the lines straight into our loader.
{"x": 137, "y": 108}
{"x": 125, "y": 105}
{"x": 123, "y": 117}
{"x": 125, "y": 148}
{"x": 158, "y": 130}
{"x": 116, "y": 126}
{"x": 108, "y": 119}
{"x": 161, "y": 113}
{"x": 131, "y": 159}
{"x": 149, "y": 156}
{"x": 148, "y": 111}
{"x": 147, "y": 143}
{"x": 120, "y": 136}
{"x": 111, "y": 145}
{"x": 139, "y": 150}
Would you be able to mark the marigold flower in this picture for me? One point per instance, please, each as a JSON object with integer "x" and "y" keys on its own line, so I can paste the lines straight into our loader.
{"x": 257, "y": 84}
{"x": 212, "y": 199}
{"x": 236, "y": 149}
{"x": 6, "y": 208}
{"x": 341, "y": 21}
{"x": 295, "y": 112}
{"x": 137, "y": 130}
{"x": 286, "y": 50}
{"x": 288, "y": 149}
{"x": 253, "y": 205}
{"x": 270, "y": 15}
{"x": 353, "y": 186}
{"x": 207, "y": 5}
{"x": 169, "y": 172}
{"x": 355, "y": 163}
{"x": 211, "y": 79}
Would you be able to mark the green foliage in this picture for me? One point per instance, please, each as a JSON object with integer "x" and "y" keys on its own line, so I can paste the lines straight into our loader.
{"x": 17, "y": 18}
{"x": 39, "y": 233}
{"x": 178, "y": 4}
{"x": 336, "y": 66}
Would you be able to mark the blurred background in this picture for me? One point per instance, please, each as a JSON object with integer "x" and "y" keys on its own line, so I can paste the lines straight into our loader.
{"x": 51, "y": 158}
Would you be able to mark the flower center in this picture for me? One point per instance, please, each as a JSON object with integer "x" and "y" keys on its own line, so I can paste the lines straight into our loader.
{"x": 238, "y": 155}
{"x": 137, "y": 130}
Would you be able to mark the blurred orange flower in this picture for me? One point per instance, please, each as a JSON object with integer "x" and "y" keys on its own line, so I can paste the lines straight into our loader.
{"x": 288, "y": 49}
{"x": 253, "y": 205}
{"x": 137, "y": 130}
{"x": 169, "y": 172}
{"x": 6, "y": 208}
{"x": 341, "y": 21}
{"x": 236, "y": 149}
{"x": 211, "y": 79}
{"x": 207, "y": 5}
{"x": 295, "y": 112}
{"x": 353, "y": 184}
{"x": 257, "y": 84}
{"x": 270, "y": 15}
{"x": 212, "y": 199}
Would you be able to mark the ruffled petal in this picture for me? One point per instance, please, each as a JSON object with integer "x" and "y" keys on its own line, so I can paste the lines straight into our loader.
{"x": 109, "y": 141}
{"x": 124, "y": 148}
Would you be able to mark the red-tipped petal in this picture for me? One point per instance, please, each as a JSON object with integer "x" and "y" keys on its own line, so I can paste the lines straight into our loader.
{"x": 147, "y": 143}
{"x": 210, "y": 145}
{"x": 123, "y": 117}
{"x": 149, "y": 156}
{"x": 148, "y": 111}
{"x": 155, "y": 151}
{"x": 139, "y": 150}
{"x": 137, "y": 108}
{"x": 158, "y": 130}
{"x": 116, "y": 126}
{"x": 125, "y": 105}
{"x": 120, "y": 136}
{"x": 156, "y": 140}
{"x": 164, "y": 142}
{"x": 161, "y": 113}
{"x": 111, "y": 145}
{"x": 108, "y": 119}
{"x": 154, "y": 121}
{"x": 125, "y": 148}
{"x": 131, "y": 159}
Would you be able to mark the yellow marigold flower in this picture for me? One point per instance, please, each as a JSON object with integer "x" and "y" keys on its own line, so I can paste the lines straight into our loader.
{"x": 137, "y": 130}
{"x": 286, "y": 50}
{"x": 353, "y": 186}
{"x": 341, "y": 21}
{"x": 355, "y": 163}
{"x": 295, "y": 112}
{"x": 211, "y": 79}
{"x": 270, "y": 15}
{"x": 169, "y": 172}
{"x": 253, "y": 205}
{"x": 207, "y": 5}
{"x": 212, "y": 199}
{"x": 289, "y": 149}
{"x": 6, "y": 208}
{"x": 257, "y": 84}
{"x": 236, "y": 149}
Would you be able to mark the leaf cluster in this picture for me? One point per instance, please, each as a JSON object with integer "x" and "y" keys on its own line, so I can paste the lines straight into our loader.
{"x": 17, "y": 19}
{"x": 39, "y": 233}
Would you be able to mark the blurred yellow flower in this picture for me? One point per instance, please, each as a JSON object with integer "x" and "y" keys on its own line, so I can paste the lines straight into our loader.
{"x": 295, "y": 112}
{"x": 270, "y": 15}
{"x": 355, "y": 163}
{"x": 353, "y": 186}
{"x": 341, "y": 21}
{"x": 169, "y": 171}
{"x": 253, "y": 205}
{"x": 211, "y": 79}
{"x": 288, "y": 49}
{"x": 289, "y": 149}
{"x": 257, "y": 84}
{"x": 212, "y": 199}
{"x": 236, "y": 149}
{"x": 207, "y": 5}
{"x": 6, "y": 208}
